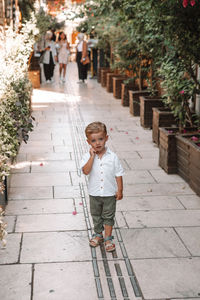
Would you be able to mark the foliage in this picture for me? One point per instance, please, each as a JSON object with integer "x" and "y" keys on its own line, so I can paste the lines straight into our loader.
{"x": 15, "y": 94}
{"x": 26, "y": 8}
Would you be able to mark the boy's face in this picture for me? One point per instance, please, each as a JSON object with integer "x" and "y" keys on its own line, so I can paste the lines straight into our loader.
{"x": 98, "y": 141}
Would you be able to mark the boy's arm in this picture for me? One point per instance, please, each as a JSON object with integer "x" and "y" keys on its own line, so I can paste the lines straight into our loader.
{"x": 119, "y": 194}
{"x": 88, "y": 166}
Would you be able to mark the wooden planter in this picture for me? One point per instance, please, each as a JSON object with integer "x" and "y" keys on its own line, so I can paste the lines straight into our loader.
{"x": 134, "y": 101}
{"x": 146, "y": 112}
{"x": 34, "y": 77}
{"x": 126, "y": 87}
{"x": 162, "y": 117}
{"x": 4, "y": 195}
{"x": 188, "y": 160}
{"x": 109, "y": 81}
{"x": 99, "y": 73}
{"x": 167, "y": 150}
{"x": 104, "y": 73}
{"x": 117, "y": 89}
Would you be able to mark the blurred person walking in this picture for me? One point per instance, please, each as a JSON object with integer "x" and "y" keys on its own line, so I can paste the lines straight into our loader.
{"x": 82, "y": 58}
{"x": 63, "y": 55}
{"x": 49, "y": 57}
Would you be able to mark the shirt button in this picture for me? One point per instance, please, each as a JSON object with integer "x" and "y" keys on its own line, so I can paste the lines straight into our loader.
{"x": 101, "y": 165}
{"x": 101, "y": 179}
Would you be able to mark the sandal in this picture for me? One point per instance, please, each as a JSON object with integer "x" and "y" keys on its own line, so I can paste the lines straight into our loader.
{"x": 109, "y": 246}
{"x": 96, "y": 240}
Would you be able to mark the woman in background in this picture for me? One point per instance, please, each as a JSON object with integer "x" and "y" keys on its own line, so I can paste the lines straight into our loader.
{"x": 63, "y": 55}
{"x": 81, "y": 54}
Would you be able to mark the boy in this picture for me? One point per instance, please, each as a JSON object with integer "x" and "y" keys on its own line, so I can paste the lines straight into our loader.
{"x": 105, "y": 183}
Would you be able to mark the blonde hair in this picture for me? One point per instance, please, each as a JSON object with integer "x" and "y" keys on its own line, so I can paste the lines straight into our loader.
{"x": 95, "y": 127}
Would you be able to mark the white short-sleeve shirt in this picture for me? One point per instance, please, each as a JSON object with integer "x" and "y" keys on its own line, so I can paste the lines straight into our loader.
{"x": 102, "y": 177}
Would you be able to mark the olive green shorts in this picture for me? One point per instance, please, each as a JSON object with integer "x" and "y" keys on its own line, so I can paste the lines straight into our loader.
{"x": 102, "y": 210}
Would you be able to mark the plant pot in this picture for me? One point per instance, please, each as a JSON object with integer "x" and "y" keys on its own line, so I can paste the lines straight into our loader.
{"x": 104, "y": 73}
{"x": 117, "y": 89}
{"x": 109, "y": 81}
{"x": 167, "y": 150}
{"x": 34, "y": 77}
{"x": 126, "y": 87}
{"x": 4, "y": 194}
{"x": 99, "y": 73}
{"x": 162, "y": 117}
{"x": 188, "y": 160}
{"x": 134, "y": 101}
{"x": 146, "y": 113}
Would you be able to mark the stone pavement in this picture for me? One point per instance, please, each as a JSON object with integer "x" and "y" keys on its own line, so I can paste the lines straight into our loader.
{"x": 157, "y": 226}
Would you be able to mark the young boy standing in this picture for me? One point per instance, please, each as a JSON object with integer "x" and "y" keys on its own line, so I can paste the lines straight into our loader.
{"x": 105, "y": 183}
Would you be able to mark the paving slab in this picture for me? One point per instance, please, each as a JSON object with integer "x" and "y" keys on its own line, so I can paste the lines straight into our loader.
{"x": 64, "y": 281}
{"x": 10, "y": 221}
{"x": 190, "y": 237}
{"x": 190, "y": 202}
{"x": 40, "y": 180}
{"x": 45, "y": 206}
{"x": 50, "y": 222}
{"x": 149, "y": 203}
{"x": 143, "y": 164}
{"x": 48, "y": 156}
{"x": 171, "y": 218}
{"x": 162, "y": 189}
{"x": 159, "y": 242}
{"x": 168, "y": 278}
{"x": 42, "y": 149}
{"x": 67, "y": 191}
{"x": 19, "y": 193}
{"x": 10, "y": 254}
{"x": 16, "y": 282}
{"x": 131, "y": 177}
{"x": 67, "y": 246}
{"x": 53, "y": 166}
{"x": 162, "y": 177}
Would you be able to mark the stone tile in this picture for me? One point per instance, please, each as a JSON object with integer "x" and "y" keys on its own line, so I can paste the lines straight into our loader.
{"x": 21, "y": 158}
{"x": 190, "y": 237}
{"x": 162, "y": 177}
{"x": 76, "y": 179}
{"x": 10, "y": 221}
{"x": 67, "y": 191}
{"x": 50, "y": 206}
{"x": 64, "y": 281}
{"x": 39, "y": 180}
{"x": 121, "y": 222}
{"x": 19, "y": 193}
{"x": 132, "y": 177}
{"x": 10, "y": 254}
{"x": 61, "y": 149}
{"x": 143, "y": 164}
{"x": 42, "y": 143}
{"x": 40, "y": 136}
{"x": 162, "y": 189}
{"x": 177, "y": 277}
{"x": 159, "y": 242}
{"x": 42, "y": 149}
{"x": 128, "y": 154}
{"x": 170, "y": 218}
{"x": 148, "y": 203}
{"x": 190, "y": 202}
{"x": 21, "y": 167}
{"x": 15, "y": 282}
{"x": 149, "y": 154}
{"x": 53, "y": 166}
{"x": 48, "y": 156}
{"x": 67, "y": 246}
{"x": 51, "y": 222}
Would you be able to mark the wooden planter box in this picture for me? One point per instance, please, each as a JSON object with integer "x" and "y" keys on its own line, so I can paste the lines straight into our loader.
{"x": 99, "y": 73}
{"x": 109, "y": 81}
{"x": 104, "y": 73}
{"x": 146, "y": 112}
{"x": 188, "y": 160}
{"x": 134, "y": 101}
{"x": 162, "y": 117}
{"x": 167, "y": 150}
{"x": 126, "y": 87}
{"x": 4, "y": 195}
{"x": 117, "y": 88}
{"x": 34, "y": 77}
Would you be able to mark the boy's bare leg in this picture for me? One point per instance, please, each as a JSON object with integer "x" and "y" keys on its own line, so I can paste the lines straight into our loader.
{"x": 108, "y": 232}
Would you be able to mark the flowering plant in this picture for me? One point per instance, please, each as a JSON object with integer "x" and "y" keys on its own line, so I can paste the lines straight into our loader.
{"x": 3, "y": 232}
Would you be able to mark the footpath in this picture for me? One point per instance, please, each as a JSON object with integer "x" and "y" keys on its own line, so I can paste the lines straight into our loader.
{"x": 157, "y": 226}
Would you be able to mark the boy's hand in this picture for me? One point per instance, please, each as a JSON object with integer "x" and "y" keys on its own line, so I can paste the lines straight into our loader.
{"x": 92, "y": 152}
{"x": 119, "y": 195}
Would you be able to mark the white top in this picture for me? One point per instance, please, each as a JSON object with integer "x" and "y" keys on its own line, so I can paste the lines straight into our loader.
{"x": 51, "y": 44}
{"x": 80, "y": 46}
{"x": 102, "y": 177}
